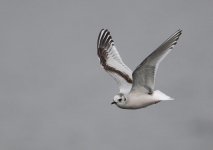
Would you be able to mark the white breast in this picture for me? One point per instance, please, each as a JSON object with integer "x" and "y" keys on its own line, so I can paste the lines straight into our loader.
{"x": 140, "y": 101}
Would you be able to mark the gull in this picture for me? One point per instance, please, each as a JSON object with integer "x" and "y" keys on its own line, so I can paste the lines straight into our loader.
{"x": 136, "y": 89}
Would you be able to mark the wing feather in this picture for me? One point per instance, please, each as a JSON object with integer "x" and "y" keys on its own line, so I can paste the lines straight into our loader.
{"x": 112, "y": 62}
{"x": 144, "y": 74}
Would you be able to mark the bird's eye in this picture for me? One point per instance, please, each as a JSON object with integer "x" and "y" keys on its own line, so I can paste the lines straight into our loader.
{"x": 119, "y": 100}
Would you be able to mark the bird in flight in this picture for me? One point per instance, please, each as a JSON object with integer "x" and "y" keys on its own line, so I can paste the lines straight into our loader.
{"x": 136, "y": 89}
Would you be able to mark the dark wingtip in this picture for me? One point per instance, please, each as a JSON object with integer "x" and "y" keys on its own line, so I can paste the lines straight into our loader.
{"x": 98, "y": 40}
{"x": 179, "y": 32}
{"x": 104, "y": 39}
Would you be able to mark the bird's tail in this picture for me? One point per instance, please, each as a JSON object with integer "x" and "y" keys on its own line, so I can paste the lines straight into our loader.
{"x": 161, "y": 96}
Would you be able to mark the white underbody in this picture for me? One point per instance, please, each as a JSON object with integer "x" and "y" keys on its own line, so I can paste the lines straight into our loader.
{"x": 139, "y": 100}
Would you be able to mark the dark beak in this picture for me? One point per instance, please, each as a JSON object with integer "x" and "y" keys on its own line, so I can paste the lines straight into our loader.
{"x": 113, "y": 103}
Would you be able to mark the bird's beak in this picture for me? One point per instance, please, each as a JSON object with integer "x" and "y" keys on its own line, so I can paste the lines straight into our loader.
{"x": 113, "y": 103}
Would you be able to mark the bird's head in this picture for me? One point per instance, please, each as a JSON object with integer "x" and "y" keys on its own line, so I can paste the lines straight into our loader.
{"x": 119, "y": 100}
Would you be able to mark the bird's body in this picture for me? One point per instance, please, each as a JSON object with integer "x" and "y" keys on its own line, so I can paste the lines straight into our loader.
{"x": 137, "y": 101}
{"x": 137, "y": 87}
{"x": 141, "y": 100}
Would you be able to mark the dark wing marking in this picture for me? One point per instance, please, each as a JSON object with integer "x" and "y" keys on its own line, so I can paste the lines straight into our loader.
{"x": 112, "y": 62}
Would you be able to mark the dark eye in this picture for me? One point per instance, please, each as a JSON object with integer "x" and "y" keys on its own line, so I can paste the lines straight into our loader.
{"x": 119, "y": 100}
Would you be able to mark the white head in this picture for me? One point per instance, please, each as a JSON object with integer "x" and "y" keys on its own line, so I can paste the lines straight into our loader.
{"x": 119, "y": 100}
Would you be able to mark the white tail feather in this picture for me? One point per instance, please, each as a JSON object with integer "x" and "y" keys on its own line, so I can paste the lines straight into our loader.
{"x": 161, "y": 96}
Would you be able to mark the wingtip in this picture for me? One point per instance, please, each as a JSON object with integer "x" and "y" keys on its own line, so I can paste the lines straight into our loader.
{"x": 177, "y": 34}
{"x": 179, "y": 31}
{"x": 104, "y": 39}
{"x": 99, "y": 37}
{"x": 175, "y": 37}
{"x": 104, "y": 30}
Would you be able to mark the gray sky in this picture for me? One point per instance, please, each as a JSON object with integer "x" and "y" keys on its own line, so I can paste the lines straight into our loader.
{"x": 54, "y": 94}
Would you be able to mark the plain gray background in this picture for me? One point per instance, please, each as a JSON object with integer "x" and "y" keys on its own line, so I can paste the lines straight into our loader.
{"x": 55, "y": 96}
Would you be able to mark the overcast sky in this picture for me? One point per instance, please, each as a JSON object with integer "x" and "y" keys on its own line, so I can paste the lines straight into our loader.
{"x": 55, "y": 96}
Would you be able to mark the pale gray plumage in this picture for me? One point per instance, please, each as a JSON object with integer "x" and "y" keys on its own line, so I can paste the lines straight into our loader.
{"x": 144, "y": 74}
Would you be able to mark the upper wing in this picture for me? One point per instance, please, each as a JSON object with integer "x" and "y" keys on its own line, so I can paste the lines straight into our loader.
{"x": 112, "y": 62}
{"x": 144, "y": 74}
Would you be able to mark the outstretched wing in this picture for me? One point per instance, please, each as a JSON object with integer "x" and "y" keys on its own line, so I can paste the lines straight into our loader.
{"x": 112, "y": 62}
{"x": 144, "y": 74}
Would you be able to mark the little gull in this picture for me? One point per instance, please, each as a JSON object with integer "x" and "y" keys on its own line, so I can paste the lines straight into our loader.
{"x": 136, "y": 89}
